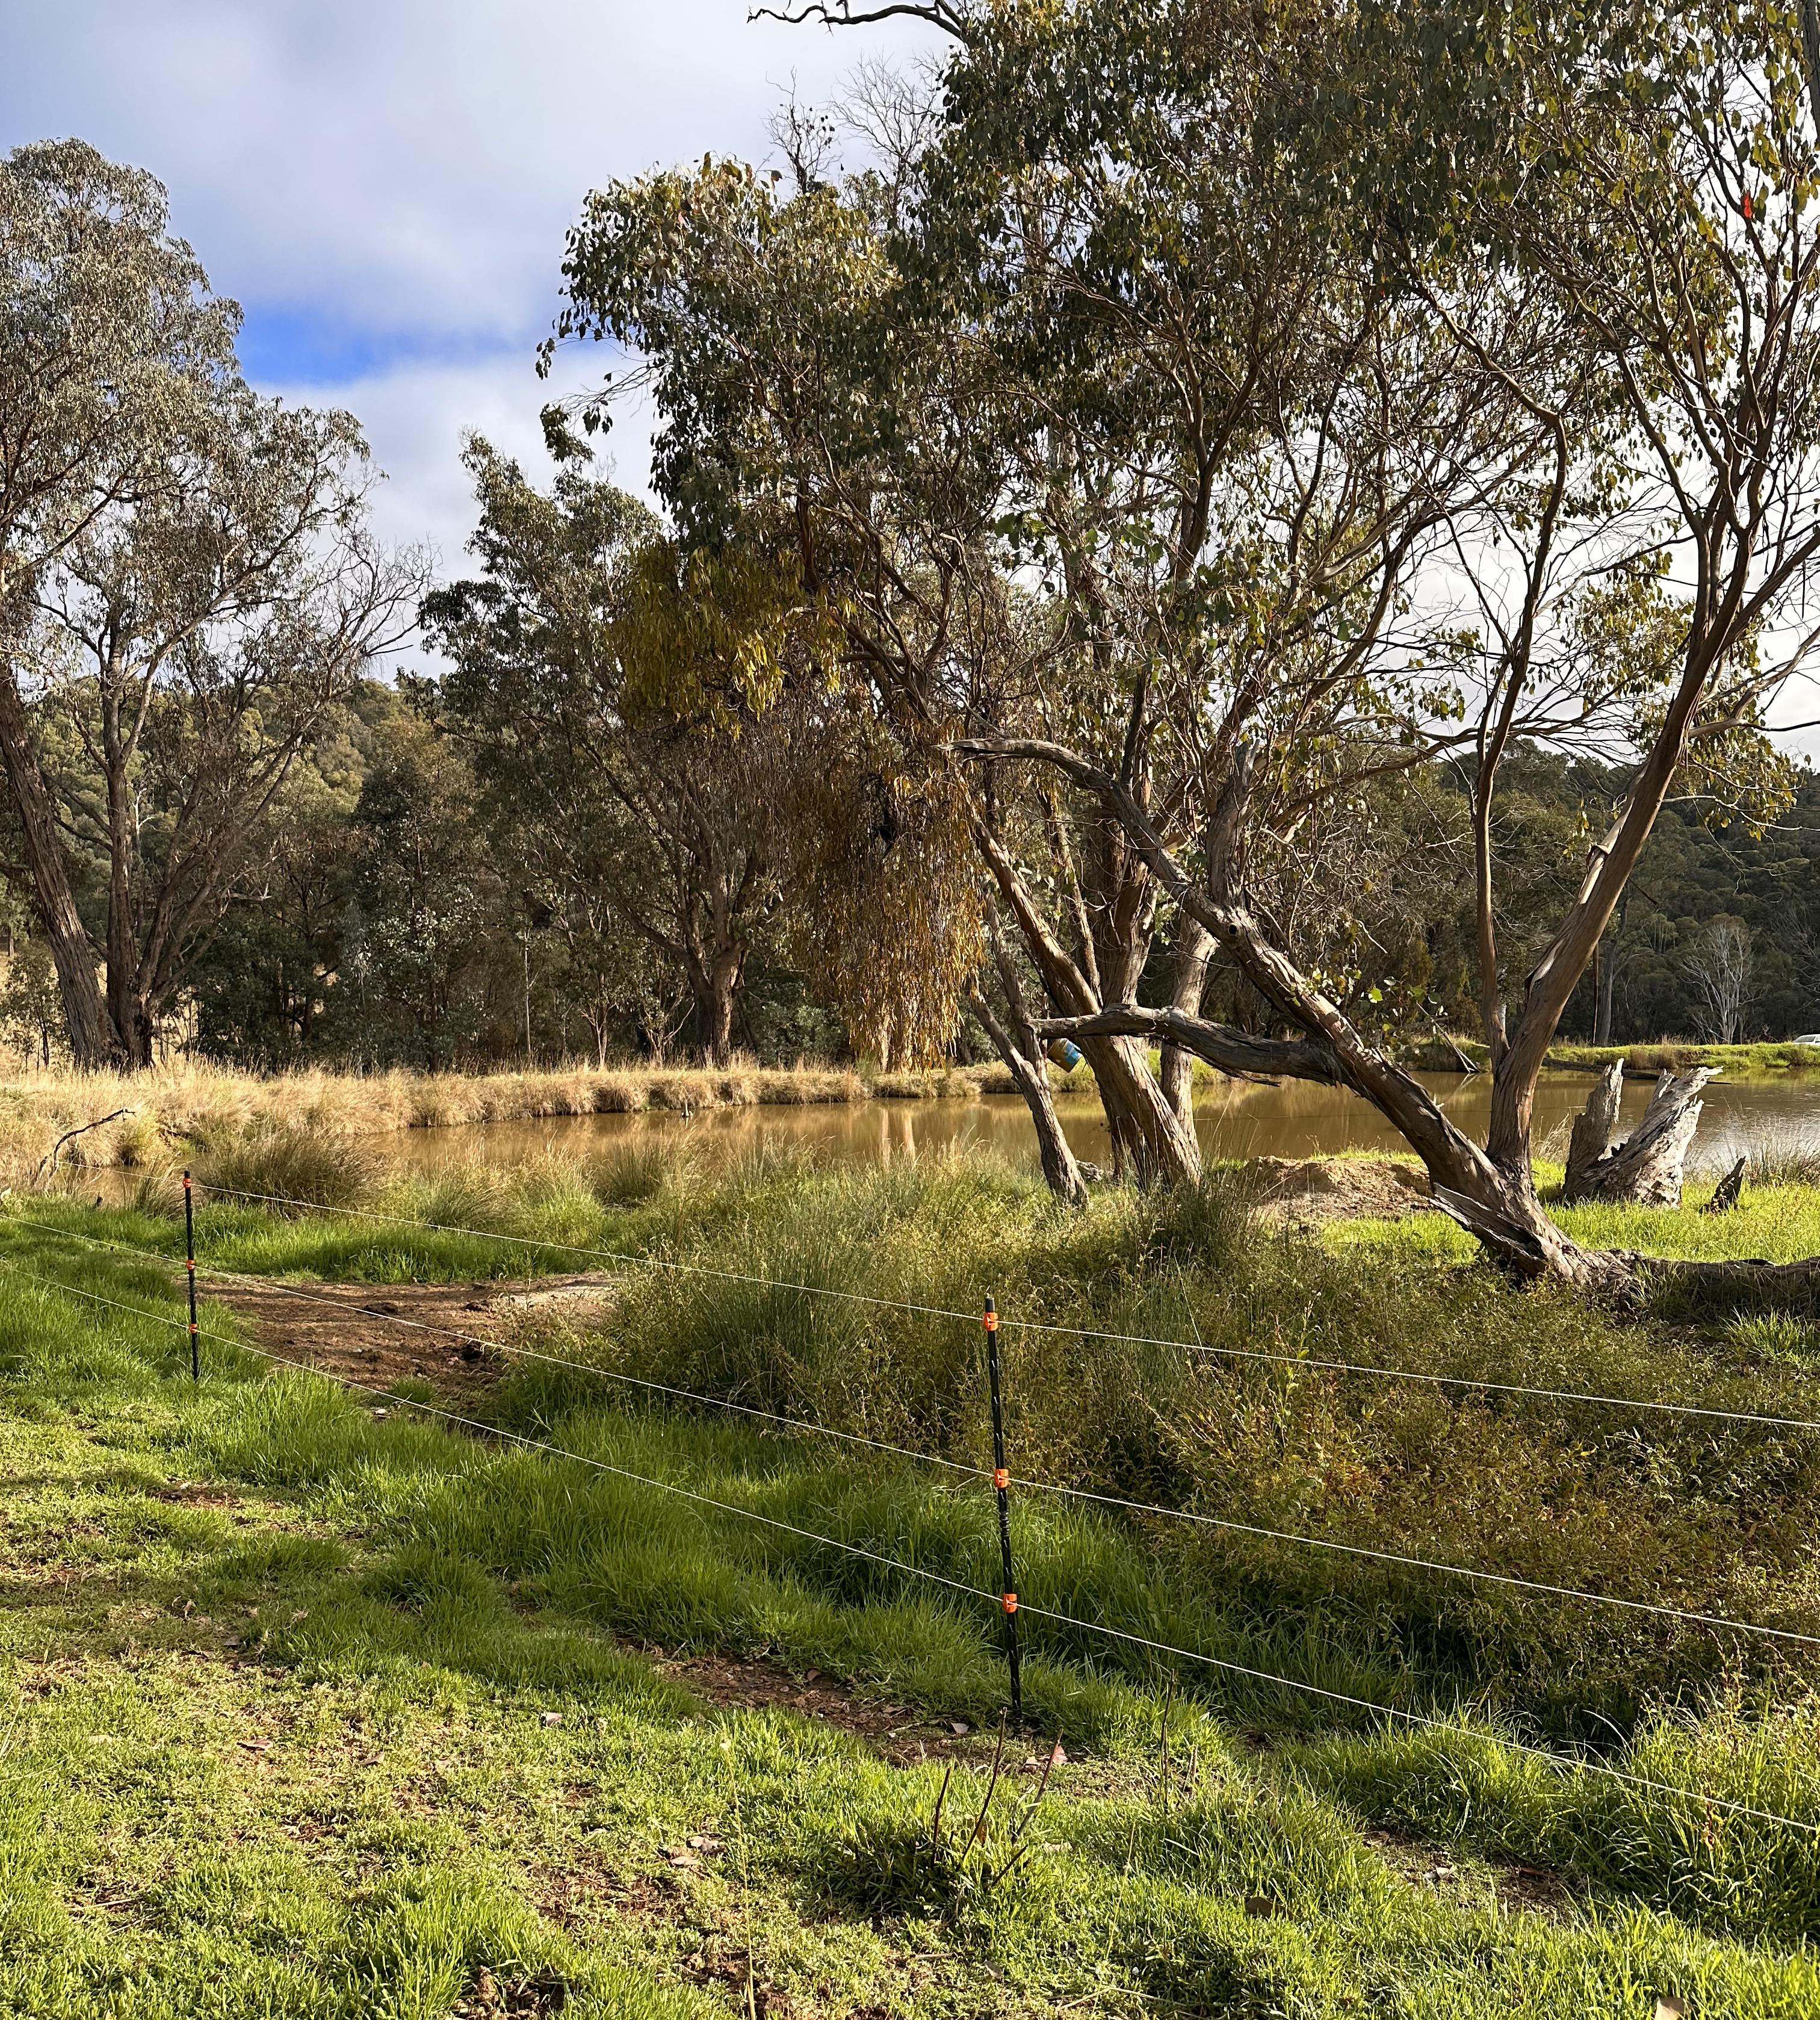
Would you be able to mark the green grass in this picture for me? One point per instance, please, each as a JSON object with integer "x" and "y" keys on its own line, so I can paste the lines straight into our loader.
{"x": 1763, "y": 1061}
{"x": 409, "y": 1605}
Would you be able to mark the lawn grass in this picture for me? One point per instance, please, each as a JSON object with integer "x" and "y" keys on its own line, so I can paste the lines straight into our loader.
{"x": 410, "y": 1605}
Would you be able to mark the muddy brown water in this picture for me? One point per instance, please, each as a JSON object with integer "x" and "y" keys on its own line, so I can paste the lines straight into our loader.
{"x": 1298, "y": 1120}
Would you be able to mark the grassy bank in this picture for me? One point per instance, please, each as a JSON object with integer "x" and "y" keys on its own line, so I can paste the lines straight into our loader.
{"x": 1757, "y": 1061}
{"x": 312, "y": 1713}
{"x": 193, "y": 1105}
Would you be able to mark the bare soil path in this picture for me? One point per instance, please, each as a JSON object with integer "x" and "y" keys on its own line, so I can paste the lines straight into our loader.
{"x": 448, "y": 1334}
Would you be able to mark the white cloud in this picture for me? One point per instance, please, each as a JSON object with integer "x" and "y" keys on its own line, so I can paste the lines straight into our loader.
{"x": 412, "y": 165}
{"x": 386, "y": 184}
{"x": 415, "y": 415}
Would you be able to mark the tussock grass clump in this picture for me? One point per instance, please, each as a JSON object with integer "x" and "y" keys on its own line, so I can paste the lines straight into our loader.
{"x": 636, "y": 1172}
{"x": 1784, "y": 1158}
{"x": 300, "y": 1167}
{"x": 1168, "y": 1351}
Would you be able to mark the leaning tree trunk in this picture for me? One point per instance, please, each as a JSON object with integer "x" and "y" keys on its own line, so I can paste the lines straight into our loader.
{"x": 1490, "y": 1191}
{"x": 1031, "y": 1077}
{"x": 1023, "y": 1055}
{"x": 1647, "y": 1167}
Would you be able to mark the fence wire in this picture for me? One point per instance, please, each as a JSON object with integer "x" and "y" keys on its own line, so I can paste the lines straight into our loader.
{"x": 778, "y": 1420}
{"x": 1762, "y": 1420}
{"x": 1565, "y": 1766}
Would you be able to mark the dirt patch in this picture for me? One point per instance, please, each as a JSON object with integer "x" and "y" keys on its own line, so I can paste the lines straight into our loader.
{"x": 490, "y": 1998}
{"x": 448, "y": 1334}
{"x": 1309, "y": 1190}
{"x": 900, "y": 1735}
{"x": 1533, "y": 1889}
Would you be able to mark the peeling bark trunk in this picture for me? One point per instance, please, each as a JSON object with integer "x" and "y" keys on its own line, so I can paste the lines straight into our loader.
{"x": 1490, "y": 1191}
{"x": 93, "y": 1039}
{"x": 1645, "y": 1168}
{"x": 1177, "y": 1075}
{"x": 1151, "y": 1143}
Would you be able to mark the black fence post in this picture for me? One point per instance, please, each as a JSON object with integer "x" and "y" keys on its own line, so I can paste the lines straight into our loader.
{"x": 1001, "y": 1484}
{"x": 190, "y": 1265}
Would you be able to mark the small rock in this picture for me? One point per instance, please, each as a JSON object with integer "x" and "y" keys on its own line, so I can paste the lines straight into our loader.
{"x": 701, "y": 1842}
{"x": 552, "y": 1718}
{"x": 685, "y": 1860}
{"x": 960, "y": 1727}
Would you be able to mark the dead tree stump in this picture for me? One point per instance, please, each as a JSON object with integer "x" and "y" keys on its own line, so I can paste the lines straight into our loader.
{"x": 1645, "y": 1167}
{"x": 1728, "y": 1191}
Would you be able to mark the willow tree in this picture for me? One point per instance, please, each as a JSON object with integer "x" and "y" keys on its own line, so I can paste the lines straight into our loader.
{"x": 658, "y": 731}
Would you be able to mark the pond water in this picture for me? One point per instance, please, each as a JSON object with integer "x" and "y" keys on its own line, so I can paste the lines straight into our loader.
{"x": 1297, "y": 1120}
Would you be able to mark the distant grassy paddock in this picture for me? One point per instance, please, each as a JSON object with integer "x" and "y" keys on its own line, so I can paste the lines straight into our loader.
{"x": 1766, "y": 1060}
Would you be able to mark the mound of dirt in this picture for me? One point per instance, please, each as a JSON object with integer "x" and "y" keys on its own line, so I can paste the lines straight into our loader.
{"x": 1313, "y": 1190}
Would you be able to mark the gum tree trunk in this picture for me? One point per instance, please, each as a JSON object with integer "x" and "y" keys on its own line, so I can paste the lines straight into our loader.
{"x": 1023, "y": 1055}
{"x": 94, "y": 1039}
{"x": 1150, "y": 1139}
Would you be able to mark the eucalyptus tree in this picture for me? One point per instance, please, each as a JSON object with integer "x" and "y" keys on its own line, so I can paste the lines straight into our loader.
{"x": 1094, "y": 427}
{"x": 186, "y": 577}
{"x": 1645, "y": 177}
{"x": 110, "y": 352}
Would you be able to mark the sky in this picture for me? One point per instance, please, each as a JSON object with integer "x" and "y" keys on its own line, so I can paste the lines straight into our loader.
{"x": 384, "y": 185}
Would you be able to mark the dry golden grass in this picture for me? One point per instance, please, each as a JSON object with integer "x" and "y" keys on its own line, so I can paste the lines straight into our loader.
{"x": 192, "y": 1102}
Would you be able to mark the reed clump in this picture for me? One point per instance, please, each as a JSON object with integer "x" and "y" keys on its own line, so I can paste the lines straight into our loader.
{"x": 292, "y": 1170}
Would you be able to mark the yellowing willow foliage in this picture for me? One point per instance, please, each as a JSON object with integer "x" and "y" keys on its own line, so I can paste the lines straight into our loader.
{"x": 891, "y": 928}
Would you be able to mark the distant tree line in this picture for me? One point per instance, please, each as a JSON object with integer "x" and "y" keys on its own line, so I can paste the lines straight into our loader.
{"x": 405, "y": 912}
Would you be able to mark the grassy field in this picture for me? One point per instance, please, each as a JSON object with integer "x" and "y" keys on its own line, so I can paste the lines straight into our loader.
{"x": 308, "y": 1709}
{"x": 1764, "y": 1061}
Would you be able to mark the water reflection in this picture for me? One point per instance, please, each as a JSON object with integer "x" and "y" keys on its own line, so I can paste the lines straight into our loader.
{"x": 1297, "y": 1120}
